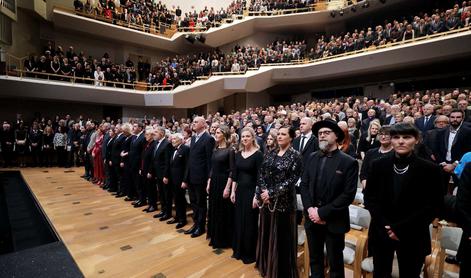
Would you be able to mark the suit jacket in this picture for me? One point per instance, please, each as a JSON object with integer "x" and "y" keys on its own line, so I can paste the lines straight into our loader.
{"x": 108, "y": 146}
{"x": 341, "y": 181}
{"x": 125, "y": 147}
{"x": 410, "y": 211}
{"x": 104, "y": 145}
{"x": 178, "y": 164}
{"x": 116, "y": 147}
{"x": 147, "y": 159}
{"x": 199, "y": 162}
{"x": 419, "y": 123}
{"x": 135, "y": 150}
{"x": 310, "y": 146}
{"x": 459, "y": 147}
{"x": 463, "y": 200}
{"x": 161, "y": 159}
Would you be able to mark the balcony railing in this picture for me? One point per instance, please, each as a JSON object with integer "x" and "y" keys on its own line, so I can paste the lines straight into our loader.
{"x": 9, "y": 4}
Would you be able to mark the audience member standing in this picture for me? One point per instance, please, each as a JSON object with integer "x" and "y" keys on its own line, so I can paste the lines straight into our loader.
{"x": 328, "y": 187}
{"x": 248, "y": 160}
{"x": 35, "y": 137}
{"x": 403, "y": 195}
{"x": 98, "y": 171}
{"x": 220, "y": 209}
{"x": 60, "y": 142}
{"x": 276, "y": 194}
{"x": 7, "y": 142}
{"x": 135, "y": 151}
{"x": 463, "y": 207}
{"x": 21, "y": 144}
{"x": 196, "y": 177}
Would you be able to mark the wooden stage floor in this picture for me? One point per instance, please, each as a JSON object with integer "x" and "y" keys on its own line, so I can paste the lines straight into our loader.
{"x": 107, "y": 237}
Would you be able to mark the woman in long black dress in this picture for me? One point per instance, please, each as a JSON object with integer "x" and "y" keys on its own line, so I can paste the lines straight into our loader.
{"x": 21, "y": 144}
{"x": 247, "y": 163}
{"x": 221, "y": 210}
{"x": 276, "y": 194}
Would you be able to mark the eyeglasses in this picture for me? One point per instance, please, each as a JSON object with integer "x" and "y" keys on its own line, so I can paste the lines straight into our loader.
{"x": 325, "y": 132}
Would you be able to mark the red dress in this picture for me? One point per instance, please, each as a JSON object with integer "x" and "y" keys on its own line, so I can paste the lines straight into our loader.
{"x": 98, "y": 167}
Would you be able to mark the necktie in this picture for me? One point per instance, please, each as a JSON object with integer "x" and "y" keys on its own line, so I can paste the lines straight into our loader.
{"x": 157, "y": 147}
{"x": 301, "y": 145}
{"x": 174, "y": 154}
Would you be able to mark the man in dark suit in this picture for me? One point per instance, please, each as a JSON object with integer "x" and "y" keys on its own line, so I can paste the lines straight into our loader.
{"x": 7, "y": 140}
{"x": 107, "y": 160}
{"x": 161, "y": 173}
{"x": 104, "y": 146}
{"x": 196, "y": 176}
{"x": 178, "y": 165}
{"x": 426, "y": 122}
{"x": 451, "y": 144}
{"x": 125, "y": 183}
{"x": 135, "y": 151}
{"x": 365, "y": 123}
{"x": 115, "y": 159}
{"x": 403, "y": 195}
{"x": 328, "y": 187}
{"x": 463, "y": 207}
{"x": 145, "y": 168}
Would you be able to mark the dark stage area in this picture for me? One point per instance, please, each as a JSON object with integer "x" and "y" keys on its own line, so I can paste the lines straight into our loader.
{"x": 29, "y": 246}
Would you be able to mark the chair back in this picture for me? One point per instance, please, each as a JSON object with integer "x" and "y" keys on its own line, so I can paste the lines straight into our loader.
{"x": 359, "y": 217}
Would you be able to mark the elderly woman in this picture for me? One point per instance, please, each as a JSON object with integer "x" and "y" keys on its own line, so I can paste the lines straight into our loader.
{"x": 276, "y": 195}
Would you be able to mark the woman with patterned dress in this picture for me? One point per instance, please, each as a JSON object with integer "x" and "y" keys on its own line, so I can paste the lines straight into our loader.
{"x": 276, "y": 195}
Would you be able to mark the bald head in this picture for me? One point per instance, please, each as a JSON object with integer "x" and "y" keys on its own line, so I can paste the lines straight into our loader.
{"x": 199, "y": 124}
{"x": 305, "y": 125}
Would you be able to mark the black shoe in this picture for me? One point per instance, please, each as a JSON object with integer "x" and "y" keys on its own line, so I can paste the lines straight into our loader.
{"x": 134, "y": 203}
{"x": 191, "y": 230}
{"x": 452, "y": 260}
{"x": 180, "y": 225}
{"x": 197, "y": 232}
{"x": 151, "y": 209}
{"x": 140, "y": 204}
{"x": 165, "y": 217}
{"x": 173, "y": 221}
{"x": 127, "y": 199}
{"x": 160, "y": 214}
{"x": 146, "y": 209}
{"x": 105, "y": 188}
{"x": 120, "y": 195}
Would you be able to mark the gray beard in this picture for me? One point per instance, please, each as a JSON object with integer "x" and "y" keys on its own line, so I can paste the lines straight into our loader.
{"x": 324, "y": 146}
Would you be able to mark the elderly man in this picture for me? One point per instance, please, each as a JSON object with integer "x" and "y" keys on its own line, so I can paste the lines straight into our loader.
{"x": 328, "y": 187}
{"x": 196, "y": 176}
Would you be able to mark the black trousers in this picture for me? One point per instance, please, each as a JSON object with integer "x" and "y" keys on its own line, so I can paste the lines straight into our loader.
{"x": 165, "y": 196}
{"x": 151, "y": 191}
{"x": 127, "y": 185}
{"x": 180, "y": 202}
{"x": 139, "y": 185}
{"x": 61, "y": 156}
{"x": 318, "y": 236}
{"x": 198, "y": 204}
{"x": 464, "y": 256}
{"x": 88, "y": 164}
{"x": 410, "y": 260}
{"x": 114, "y": 177}
{"x": 36, "y": 156}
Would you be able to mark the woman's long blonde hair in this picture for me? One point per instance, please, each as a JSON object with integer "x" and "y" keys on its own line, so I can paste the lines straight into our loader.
{"x": 254, "y": 141}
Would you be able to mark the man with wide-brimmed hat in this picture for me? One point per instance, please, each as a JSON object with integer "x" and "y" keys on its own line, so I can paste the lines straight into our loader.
{"x": 328, "y": 187}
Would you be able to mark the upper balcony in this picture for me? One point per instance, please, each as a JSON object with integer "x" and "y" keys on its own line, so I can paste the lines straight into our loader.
{"x": 366, "y": 62}
{"x": 312, "y": 19}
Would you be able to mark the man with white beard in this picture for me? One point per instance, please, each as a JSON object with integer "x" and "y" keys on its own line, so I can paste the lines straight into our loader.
{"x": 328, "y": 187}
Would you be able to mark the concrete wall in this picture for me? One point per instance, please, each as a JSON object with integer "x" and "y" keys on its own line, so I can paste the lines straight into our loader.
{"x": 25, "y": 38}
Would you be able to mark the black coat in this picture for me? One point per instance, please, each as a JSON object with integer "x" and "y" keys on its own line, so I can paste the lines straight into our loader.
{"x": 135, "y": 150}
{"x": 460, "y": 146}
{"x": 125, "y": 147}
{"x": 199, "y": 162}
{"x": 116, "y": 148}
{"x": 419, "y": 123}
{"x": 161, "y": 160}
{"x": 463, "y": 200}
{"x": 147, "y": 159}
{"x": 414, "y": 207}
{"x": 311, "y": 146}
{"x": 178, "y": 164}
{"x": 342, "y": 180}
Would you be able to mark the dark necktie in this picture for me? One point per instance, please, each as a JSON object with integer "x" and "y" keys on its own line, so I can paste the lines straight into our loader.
{"x": 301, "y": 145}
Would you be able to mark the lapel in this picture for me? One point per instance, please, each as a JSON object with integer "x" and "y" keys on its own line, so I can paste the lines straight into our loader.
{"x": 330, "y": 172}
{"x": 308, "y": 143}
{"x": 447, "y": 135}
{"x": 313, "y": 165}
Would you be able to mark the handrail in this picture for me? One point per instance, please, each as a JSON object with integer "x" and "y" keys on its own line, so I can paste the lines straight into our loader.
{"x": 294, "y": 62}
{"x": 73, "y": 79}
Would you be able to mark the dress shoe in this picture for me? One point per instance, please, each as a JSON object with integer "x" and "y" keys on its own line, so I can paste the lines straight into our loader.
{"x": 151, "y": 209}
{"x": 146, "y": 209}
{"x": 165, "y": 217}
{"x": 127, "y": 199}
{"x": 160, "y": 214}
{"x": 197, "y": 232}
{"x": 191, "y": 230}
{"x": 140, "y": 204}
{"x": 452, "y": 260}
{"x": 133, "y": 203}
{"x": 120, "y": 195}
{"x": 173, "y": 221}
{"x": 180, "y": 225}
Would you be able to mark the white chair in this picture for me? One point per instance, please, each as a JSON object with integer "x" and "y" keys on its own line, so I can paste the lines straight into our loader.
{"x": 449, "y": 239}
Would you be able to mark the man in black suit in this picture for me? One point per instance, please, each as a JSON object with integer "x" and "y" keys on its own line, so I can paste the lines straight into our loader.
{"x": 125, "y": 183}
{"x": 178, "y": 165}
{"x": 104, "y": 146}
{"x": 7, "y": 140}
{"x": 145, "y": 169}
{"x": 426, "y": 122}
{"x": 135, "y": 151}
{"x": 161, "y": 173}
{"x": 463, "y": 207}
{"x": 196, "y": 176}
{"x": 403, "y": 195}
{"x": 328, "y": 187}
{"x": 107, "y": 160}
{"x": 365, "y": 123}
{"x": 115, "y": 159}
{"x": 451, "y": 144}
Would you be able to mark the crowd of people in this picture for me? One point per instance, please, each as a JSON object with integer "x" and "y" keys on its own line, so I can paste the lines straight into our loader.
{"x": 272, "y": 5}
{"x": 250, "y": 165}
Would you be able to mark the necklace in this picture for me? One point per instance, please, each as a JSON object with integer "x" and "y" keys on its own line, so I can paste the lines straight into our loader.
{"x": 400, "y": 171}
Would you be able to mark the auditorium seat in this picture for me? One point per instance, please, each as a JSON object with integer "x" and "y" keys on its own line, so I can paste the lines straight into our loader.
{"x": 449, "y": 241}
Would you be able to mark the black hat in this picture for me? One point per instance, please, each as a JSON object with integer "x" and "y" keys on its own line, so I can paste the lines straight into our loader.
{"x": 331, "y": 125}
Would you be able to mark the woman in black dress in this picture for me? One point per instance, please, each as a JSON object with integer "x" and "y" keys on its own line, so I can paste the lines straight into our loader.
{"x": 247, "y": 163}
{"x": 221, "y": 210}
{"x": 21, "y": 144}
{"x": 48, "y": 146}
{"x": 276, "y": 194}
{"x": 369, "y": 141}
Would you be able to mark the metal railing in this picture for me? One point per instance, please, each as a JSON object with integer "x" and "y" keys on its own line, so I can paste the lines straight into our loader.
{"x": 9, "y": 4}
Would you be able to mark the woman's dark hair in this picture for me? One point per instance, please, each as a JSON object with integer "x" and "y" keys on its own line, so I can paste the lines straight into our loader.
{"x": 291, "y": 131}
{"x": 404, "y": 129}
{"x": 385, "y": 129}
